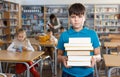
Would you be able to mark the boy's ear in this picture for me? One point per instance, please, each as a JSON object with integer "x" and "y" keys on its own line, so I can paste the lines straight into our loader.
{"x": 84, "y": 18}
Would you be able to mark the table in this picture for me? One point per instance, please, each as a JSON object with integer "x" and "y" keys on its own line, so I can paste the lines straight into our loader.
{"x": 111, "y": 61}
{"x": 24, "y": 57}
{"x": 108, "y": 45}
{"x": 51, "y": 44}
{"x": 6, "y": 75}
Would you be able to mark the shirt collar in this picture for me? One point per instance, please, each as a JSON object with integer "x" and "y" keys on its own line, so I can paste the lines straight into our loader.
{"x": 71, "y": 30}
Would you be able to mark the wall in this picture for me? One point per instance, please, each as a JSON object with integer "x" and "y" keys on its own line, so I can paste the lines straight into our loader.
{"x": 55, "y": 2}
{"x": 15, "y": 1}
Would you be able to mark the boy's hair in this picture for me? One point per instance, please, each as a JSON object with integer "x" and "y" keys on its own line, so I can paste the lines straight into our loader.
{"x": 61, "y": 27}
{"x": 77, "y": 9}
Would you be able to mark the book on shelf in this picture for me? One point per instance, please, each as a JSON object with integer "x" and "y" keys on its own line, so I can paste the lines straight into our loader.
{"x": 77, "y": 53}
{"x": 80, "y": 63}
{"x": 79, "y": 58}
{"x": 80, "y": 40}
{"x": 79, "y": 48}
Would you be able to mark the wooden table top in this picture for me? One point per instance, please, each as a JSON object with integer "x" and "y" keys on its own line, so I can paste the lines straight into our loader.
{"x": 111, "y": 60}
{"x": 111, "y": 44}
{"x": 25, "y": 56}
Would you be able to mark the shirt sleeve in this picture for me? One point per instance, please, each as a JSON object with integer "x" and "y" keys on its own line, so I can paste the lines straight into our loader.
{"x": 11, "y": 47}
{"x": 60, "y": 44}
{"x": 30, "y": 46}
{"x": 96, "y": 42}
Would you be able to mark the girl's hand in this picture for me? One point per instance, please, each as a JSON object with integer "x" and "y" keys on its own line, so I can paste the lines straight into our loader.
{"x": 24, "y": 48}
{"x": 64, "y": 61}
{"x": 51, "y": 26}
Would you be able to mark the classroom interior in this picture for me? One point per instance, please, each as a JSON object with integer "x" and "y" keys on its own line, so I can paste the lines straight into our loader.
{"x": 33, "y": 17}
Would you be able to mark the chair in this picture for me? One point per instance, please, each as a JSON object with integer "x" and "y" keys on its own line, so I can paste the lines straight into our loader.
{"x": 118, "y": 50}
{"x": 3, "y": 75}
{"x": 45, "y": 58}
{"x": 110, "y": 72}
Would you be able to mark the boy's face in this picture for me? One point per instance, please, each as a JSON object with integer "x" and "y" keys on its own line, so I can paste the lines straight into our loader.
{"x": 77, "y": 21}
{"x": 21, "y": 36}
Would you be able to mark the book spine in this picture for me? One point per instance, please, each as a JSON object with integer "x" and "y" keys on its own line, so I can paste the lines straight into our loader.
{"x": 70, "y": 63}
{"x": 79, "y": 40}
{"x": 78, "y": 48}
{"x": 79, "y": 58}
{"x": 77, "y": 53}
{"x": 81, "y": 44}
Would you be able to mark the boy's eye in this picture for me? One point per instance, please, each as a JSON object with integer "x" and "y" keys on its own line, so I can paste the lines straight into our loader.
{"x": 72, "y": 16}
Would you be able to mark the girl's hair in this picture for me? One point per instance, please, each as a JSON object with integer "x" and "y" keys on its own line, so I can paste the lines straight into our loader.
{"x": 52, "y": 16}
{"x": 20, "y": 31}
{"x": 77, "y": 9}
{"x": 49, "y": 30}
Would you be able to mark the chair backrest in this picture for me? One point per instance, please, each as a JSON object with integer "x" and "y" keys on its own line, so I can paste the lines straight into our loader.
{"x": 35, "y": 44}
{"x": 3, "y": 75}
{"x": 118, "y": 49}
{"x": 115, "y": 40}
{"x": 114, "y": 36}
{"x": 36, "y": 47}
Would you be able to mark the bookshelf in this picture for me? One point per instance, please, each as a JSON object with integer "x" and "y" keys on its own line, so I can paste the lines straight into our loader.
{"x": 61, "y": 11}
{"x": 1, "y": 21}
{"x": 9, "y": 21}
{"x": 33, "y": 19}
{"x": 90, "y": 16}
{"x": 104, "y": 18}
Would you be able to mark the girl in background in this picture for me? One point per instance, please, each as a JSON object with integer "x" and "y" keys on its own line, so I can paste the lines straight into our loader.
{"x": 54, "y": 23}
{"x": 52, "y": 39}
{"x": 19, "y": 44}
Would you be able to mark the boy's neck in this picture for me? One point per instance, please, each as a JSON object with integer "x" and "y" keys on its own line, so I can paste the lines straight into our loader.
{"x": 78, "y": 29}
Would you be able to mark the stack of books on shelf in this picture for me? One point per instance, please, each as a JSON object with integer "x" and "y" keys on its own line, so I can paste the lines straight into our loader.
{"x": 78, "y": 51}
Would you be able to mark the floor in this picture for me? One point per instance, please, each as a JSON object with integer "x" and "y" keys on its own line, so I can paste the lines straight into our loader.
{"x": 47, "y": 72}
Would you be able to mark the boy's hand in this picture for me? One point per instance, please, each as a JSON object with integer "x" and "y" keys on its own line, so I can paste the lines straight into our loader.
{"x": 93, "y": 61}
{"x": 64, "y": 60}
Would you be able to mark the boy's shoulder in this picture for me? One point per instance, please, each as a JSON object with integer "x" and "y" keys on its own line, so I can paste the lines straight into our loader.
{"x": 86, "y": 29}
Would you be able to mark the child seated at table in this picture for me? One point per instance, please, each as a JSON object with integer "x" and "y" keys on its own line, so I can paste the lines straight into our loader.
{"x": 21, "y": 44}
{"x": 52, "y": 39}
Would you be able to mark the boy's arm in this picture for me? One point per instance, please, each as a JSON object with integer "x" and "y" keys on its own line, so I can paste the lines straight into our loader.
{"x": 62, "y": 59}
{"x": 97, "y": 54}
{"x": 96, "y": 57}
{"x": 60, "y": 55}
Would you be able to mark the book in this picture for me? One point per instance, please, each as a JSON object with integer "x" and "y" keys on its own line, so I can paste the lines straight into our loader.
{"x": 79, "y": 58}
{"x": 82, "y": 63}
{"x": 80, "y": 40}
{"x": 77, "y": 53}
{"x": 77, "y": 44}
{"x": 79, "y": 48}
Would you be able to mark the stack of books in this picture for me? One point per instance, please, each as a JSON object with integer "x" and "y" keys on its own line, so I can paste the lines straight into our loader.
{"x": 78, "y": 51}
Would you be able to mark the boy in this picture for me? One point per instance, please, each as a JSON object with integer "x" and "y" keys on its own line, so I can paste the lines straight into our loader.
{"x": 77, "y": 18}
{"x": 61, "y": 29}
